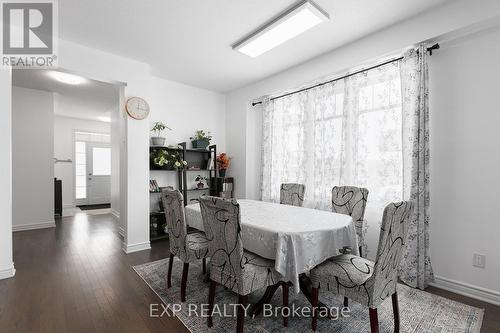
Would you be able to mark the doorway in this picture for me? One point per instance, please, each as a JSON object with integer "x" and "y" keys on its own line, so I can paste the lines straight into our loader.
{"x": 92, "y": 171}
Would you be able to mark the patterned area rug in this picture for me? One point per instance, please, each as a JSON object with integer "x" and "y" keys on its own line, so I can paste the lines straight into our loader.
{"x": 420, "y": 311}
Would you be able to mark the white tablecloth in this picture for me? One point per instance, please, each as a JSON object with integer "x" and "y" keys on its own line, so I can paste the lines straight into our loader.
{"x": 297, "y": 238}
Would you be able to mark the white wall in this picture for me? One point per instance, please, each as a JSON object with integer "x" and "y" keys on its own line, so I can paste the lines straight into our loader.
{"x": 64, "y": 128}
{"x": 441, "y": 20}
{"x": 6, "y": 264}
{"x": 32, "y": 158}
{"x": 243, "y": 122}
{"x": 465, "y": 159}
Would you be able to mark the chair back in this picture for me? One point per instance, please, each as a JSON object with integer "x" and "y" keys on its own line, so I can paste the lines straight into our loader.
{"x": 173, "y": 204}
{"x": 350, "y": 200}
{"x": 395, "y": 222}
{"x": 221, "y": 221}
{"x": 292, "y": 194}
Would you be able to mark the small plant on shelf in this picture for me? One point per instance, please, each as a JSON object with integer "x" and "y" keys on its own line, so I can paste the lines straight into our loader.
{"x": 169, "y": 159}
{"x": 200, "y": 179}
{"x": 223, "y": 162}
{"x": 158, "y": 128}
{"x": 201, "y": 139}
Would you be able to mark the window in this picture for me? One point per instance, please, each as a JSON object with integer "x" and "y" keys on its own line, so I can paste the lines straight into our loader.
{"x": 348, "y": 132}
{"x": 80, "y": 170}
{"x": 101, "y": 161}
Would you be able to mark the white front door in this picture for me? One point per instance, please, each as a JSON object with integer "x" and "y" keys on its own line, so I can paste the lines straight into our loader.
{"x": 99, "y": 173}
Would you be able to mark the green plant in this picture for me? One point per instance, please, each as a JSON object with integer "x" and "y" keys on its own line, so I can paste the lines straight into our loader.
{"x": 169, "y": 158}
{"x": 201, "y": 135}
{"x": 159, "y": 127}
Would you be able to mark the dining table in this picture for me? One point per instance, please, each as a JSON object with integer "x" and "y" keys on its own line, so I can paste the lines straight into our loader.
{"x": 296, "y": 238}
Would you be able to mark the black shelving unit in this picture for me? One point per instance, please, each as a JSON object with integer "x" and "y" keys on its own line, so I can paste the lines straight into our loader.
{"x": 197, "y": 158}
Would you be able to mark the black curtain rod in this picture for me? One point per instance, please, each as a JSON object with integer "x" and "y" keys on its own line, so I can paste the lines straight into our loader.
{"x": 429, "y": 49}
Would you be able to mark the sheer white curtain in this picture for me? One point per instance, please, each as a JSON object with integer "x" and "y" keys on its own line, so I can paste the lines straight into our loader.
{"x": 348, "y": 132}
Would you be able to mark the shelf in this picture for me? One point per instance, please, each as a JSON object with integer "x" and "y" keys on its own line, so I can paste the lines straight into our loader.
{"x": 199, "y": 170}
{"x": 198, "y": 189}
{"x": 156, "y": 213}
{"x": 194, "y": 150}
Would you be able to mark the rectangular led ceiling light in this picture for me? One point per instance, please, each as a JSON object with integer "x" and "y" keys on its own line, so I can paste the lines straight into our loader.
{"x": 286, "y": 26}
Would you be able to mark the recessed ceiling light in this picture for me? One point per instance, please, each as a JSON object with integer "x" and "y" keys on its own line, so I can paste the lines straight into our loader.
{"x": 104, "y": 119}
{"x": 67, "y": 78}
{"x": 286, "y": 26}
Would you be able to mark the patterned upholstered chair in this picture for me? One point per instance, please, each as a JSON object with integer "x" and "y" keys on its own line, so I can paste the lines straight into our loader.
{"x": 351, "y": 200}
{"x": 187, "y": 247}
{"x": 292, "y": 194}
{"x": 230, "y": 265}
{"x": 362, "y": 280}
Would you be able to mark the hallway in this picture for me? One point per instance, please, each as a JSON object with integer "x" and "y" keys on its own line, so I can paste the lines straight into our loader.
{"x": 78, "y": 272}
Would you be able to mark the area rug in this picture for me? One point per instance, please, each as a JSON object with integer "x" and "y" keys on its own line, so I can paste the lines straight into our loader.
{"x": 420, "y": 311}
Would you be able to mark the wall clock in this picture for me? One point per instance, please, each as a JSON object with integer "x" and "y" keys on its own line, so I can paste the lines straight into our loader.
{"x": 137, "y": 108}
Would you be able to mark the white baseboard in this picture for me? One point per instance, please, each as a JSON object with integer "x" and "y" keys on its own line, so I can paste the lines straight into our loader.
{"x": 121, "y": 231}
{"x": 457, "y": 287}
{"x": 7, "y": 272}
{"x": 33, "y": 226}
{"x": 136, "y": 247}
{"x": 115, "y": 213}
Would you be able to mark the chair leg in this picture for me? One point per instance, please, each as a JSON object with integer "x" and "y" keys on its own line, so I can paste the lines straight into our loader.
{"x": 361, "y": 251}
{"x": 314, "y": 303}
{"x": 373, "y": 320}
{"x": 284, "y": 287}
{"x": 169, "y": 275}
{"x": 242, "y": 300}
{"x": 184, "y": 281}
{"x": 211, "y": 297}
{"x": 204, "y": 263}
{"x": 395, "y": 309}
{"x": 346, "y": 302}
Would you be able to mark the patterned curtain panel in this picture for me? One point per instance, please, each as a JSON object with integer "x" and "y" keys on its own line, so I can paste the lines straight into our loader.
{"x": 347, "y": 132}
{"x": 415, "y": 269}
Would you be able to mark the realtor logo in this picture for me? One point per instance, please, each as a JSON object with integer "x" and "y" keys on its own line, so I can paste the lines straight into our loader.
{"x": 28, "y": 33}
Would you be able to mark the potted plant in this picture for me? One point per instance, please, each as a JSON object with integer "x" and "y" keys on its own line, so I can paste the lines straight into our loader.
{"x": 223, "y": 161}
{"x": 200, "y": 179}
{"x": 158, "y": 128}
{"x": 168, "y": 159}
{"x": 201, "y": 139}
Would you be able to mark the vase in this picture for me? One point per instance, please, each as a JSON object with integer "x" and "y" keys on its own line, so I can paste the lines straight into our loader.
{"x": 157, "y": 141}
{"x": 200, "y": 143}
{"x": 222, "y": 173}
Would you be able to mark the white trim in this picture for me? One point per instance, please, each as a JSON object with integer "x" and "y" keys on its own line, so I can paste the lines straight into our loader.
{"x": 136, "y": 247}
{"x": 115, "y": 213}
{"x": 121, "y": 231}
{"x": 33, "y": 226}
{"x": 7, "y": 272}
{"x": 462, "y": 288}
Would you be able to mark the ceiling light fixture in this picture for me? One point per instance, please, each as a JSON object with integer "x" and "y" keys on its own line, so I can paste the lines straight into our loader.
{"x": 285, "y": 26}
{"x": 67, "y": 78}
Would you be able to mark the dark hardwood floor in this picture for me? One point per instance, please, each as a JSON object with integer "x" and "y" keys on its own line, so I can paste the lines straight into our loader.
{"x": 76, "y": 278}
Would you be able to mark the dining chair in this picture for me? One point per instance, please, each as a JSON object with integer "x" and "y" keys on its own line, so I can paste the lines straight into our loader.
{"x": 292, "y": 194}
{"x": 351, "y": 200}
{"x": 362, "y": 280}
{"x": 188, "y": 247}
{"x": 230, "y": 264}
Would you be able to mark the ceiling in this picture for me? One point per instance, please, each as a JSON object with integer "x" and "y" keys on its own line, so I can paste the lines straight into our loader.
{"x": 91, "y": 100}
{"x": 190, "y": 41}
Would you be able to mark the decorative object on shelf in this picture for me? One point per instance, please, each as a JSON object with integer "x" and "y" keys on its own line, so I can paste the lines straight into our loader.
{"x": 201, "y": 139}
{"x": 194, "y": 168}
{"x": 200, "y": 179}
{"x": 223, "y": 161}
{"x": 158, "y": 128}
{"x": 170, "y": 159}
{"x": 153, "y": 186}
{"x": 137, "y": 108}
